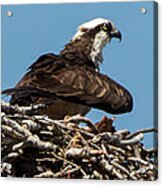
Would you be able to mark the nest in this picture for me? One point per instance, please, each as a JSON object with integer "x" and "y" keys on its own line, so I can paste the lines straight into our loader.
{"x": 37, "y": 146}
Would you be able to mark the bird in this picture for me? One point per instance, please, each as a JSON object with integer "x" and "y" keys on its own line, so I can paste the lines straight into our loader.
{"x": 70, "y": 83}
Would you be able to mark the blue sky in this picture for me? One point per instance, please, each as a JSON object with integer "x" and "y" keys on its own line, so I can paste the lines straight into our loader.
{"x": 37, "y": 29}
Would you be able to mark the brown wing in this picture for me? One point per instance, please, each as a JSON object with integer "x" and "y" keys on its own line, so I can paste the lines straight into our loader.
{"x": 74, "y": 83}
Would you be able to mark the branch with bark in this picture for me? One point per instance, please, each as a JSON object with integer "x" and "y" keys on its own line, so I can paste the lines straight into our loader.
{"x": 37, "y": 146}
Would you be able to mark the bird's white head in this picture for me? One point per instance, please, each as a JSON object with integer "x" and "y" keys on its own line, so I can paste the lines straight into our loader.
{"x": 98, "y": 32}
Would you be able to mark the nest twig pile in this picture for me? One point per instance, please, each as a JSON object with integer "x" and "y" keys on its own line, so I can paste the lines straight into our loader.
{"x": 36, "y": 146}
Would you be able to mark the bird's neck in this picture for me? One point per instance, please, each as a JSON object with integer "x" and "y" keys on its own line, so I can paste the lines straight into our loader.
{"x": 84, "y": 49}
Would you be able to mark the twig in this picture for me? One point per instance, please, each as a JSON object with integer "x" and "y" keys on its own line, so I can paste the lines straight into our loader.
{"x": 141, "y": 131}
{"x": 134, "y": 140}
{"x": 12, "y": 109}
{"x": 79, "y": 118}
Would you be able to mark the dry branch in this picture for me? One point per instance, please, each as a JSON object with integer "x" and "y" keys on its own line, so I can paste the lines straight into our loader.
{"x": 36, "y": 146}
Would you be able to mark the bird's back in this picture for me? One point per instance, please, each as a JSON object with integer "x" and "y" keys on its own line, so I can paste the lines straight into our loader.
{"x": 66, "y": 88}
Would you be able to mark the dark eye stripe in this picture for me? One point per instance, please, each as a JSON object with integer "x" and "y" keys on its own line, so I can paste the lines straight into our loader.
{"x": 110, "y": 27}
{"x": 100, "y": 27}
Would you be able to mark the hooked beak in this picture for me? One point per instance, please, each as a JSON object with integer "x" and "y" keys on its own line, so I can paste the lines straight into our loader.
{"x": 117, "y": 34}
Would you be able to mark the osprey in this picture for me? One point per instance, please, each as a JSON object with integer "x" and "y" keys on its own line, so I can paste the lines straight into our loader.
{"x": 70, "y": 83}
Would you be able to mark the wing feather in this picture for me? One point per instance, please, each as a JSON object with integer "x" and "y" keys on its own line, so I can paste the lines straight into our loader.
{"x": 74, "y": 83}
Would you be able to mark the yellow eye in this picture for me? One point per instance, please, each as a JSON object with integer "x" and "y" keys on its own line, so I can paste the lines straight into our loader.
{"x": 104, "y": 27}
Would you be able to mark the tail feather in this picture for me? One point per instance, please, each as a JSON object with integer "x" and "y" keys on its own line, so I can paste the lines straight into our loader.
{"x": 8, "y": 92}
{"x": 24, "y": 95}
